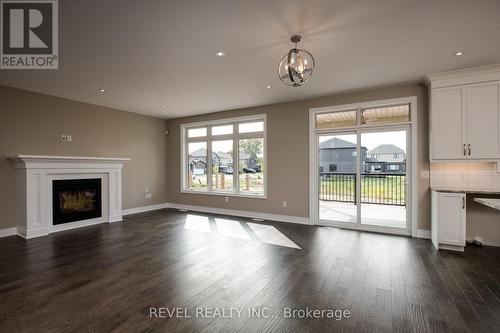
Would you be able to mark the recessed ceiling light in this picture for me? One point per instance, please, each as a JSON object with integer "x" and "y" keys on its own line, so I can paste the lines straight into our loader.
{"x": 459, "y": 53}
{"x": 163, "y": 106}
{"x": 101, "y": 90}
{"x": 269, "y": 86}
{"x": 220, "y": 54}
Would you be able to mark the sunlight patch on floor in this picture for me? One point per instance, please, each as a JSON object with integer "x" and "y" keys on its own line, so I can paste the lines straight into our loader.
{"x": 197, "y": 223}
{"x": 235, "y": 229}
{"x": 270, "y": 235}
{"x": 231, "y": 228}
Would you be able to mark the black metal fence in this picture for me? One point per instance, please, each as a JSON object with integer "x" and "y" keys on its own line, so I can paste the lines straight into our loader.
{"x": 376, "y": 188}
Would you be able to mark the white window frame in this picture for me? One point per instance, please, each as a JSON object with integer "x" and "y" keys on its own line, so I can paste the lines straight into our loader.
{"x": 236, "y": 136}
{"x": 411, "y": 163}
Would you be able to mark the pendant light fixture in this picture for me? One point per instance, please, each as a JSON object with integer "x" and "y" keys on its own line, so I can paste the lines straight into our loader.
{"x": 297, "y": 65}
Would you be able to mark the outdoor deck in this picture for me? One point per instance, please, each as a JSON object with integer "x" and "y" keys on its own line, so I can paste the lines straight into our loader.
{"x": 373, "y": 214}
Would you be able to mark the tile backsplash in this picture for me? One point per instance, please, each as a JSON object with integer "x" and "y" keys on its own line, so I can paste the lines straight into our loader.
{"x": 472, "y": 176}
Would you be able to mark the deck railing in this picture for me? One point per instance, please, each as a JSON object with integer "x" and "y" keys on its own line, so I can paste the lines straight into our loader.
{"x": 376, "y": 188}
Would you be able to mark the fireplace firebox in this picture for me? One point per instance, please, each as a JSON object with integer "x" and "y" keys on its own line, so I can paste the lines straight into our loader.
{"x": 76, "y": 200}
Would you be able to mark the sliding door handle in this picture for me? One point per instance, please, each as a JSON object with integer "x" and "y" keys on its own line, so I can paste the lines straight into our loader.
{"x": 463, "y": 202}
{"x": 465, "y": 149}
{"x": 470, "y": 150}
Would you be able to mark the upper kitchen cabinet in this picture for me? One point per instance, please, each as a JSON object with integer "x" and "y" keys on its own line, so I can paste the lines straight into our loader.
{"x": 483, "y": 120}
{"x": 465, "y": 114}
{"x": 448, "y": 123}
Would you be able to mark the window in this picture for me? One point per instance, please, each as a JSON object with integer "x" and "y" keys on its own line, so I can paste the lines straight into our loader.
{"x": 225, "y": 157}
{"x": 396, "y": 155}
{"x": 197, "y": 132}
{"x": 336, "y": 119}
{"x": 386, "y": 115}
{"x": 390, "y": 114}
{"x": 393, "y": 167}
{"x": 332, "y": 167}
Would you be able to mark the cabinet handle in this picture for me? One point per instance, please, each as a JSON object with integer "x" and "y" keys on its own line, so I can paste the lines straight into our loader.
{"x": 463, "y": 202}
{"x": 470, "y": 150}
{"x": 465, "y": 150}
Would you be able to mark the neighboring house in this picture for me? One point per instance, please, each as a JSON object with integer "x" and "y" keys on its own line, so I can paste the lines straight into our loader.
{"x": 337, "y": 155}
{"x": 386, "y": 158}
{"x": 387, "y": 153}
{"x": 222, "y": 159}
{"x": 198, "y": 162}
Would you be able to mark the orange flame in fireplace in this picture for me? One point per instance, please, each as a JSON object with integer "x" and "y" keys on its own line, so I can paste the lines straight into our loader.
{"x": 76, "y": 201}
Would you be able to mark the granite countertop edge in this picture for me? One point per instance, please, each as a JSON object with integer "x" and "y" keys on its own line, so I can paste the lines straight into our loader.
{"x": 455, "y": 190}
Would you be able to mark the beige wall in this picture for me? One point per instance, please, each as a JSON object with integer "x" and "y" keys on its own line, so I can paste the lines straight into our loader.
{"x": 32, "y": 123}
{"x": 288, "y": 153}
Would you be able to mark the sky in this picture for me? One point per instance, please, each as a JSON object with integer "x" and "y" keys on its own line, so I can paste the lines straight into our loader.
{"x": 374, "y": 139}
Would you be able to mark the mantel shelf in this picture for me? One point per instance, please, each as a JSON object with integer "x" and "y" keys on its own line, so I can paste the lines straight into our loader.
{"x": 66, "y": 158}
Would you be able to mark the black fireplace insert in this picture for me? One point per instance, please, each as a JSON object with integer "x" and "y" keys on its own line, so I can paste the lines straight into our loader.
{"x": 76, "y": 200}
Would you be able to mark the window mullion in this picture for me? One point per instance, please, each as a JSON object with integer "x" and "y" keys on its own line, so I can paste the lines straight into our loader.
{"x": 209, "y": 164}
{"x": 185, "y": 165}
{"x": 236, "y": 161}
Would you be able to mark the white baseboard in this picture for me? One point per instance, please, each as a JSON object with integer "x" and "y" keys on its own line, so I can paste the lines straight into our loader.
{"x": 6, "y": 232}
{"x": 21, "y": 232}
{"x": 143, "y": 209}
{"x": 242, "y": 213}
{"x": 487, "y": 243}
{"x": 422, "y": 233}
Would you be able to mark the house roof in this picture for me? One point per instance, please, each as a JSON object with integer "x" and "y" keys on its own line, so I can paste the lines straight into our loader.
{"x": 336, "y": 143}
{"x": 386, "y": 149}
{"x": 202, "y": 153}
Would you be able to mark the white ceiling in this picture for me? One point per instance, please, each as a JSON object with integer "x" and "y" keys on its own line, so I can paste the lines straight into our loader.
{"x": 149, "y": 53}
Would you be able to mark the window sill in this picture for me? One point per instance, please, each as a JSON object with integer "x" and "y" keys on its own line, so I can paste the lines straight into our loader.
{"x": 227, "y": 194}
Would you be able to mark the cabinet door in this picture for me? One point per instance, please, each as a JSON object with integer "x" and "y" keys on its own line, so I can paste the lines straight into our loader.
{"x": 451, "y": 218}
{"x": 448, "y": 125}
{"x": 482, "y": 120}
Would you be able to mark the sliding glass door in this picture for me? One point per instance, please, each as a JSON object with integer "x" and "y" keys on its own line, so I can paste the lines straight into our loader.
{"x": 383, "y": 178}
{"x": 361, "y": 165}
{"x": 362, "y": 178}
{"x": 337, "y": 161}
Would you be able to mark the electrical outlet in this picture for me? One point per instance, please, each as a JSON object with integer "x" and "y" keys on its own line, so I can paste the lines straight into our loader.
{"x": 148, "y": 194}
{"x": 69, "y": 138}
{"x": 226, "y": 199}
{"x": 284, "y": 204}
{"x": 63, "y": 138}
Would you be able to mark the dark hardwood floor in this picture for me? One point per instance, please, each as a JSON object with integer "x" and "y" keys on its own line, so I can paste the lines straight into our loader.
{"x": 108, "y": 277}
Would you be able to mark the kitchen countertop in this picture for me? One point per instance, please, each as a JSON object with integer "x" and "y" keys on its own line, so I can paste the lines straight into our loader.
{"x": 455, "y": 190}
{"x": 493, "y": 203}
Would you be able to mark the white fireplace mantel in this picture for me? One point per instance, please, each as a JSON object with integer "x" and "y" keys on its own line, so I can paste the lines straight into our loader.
{"x": 34, "y": 176}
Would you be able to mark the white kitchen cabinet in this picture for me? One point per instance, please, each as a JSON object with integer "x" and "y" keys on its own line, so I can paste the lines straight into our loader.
{"x": 448, "y": 220}
{"x": 448, "y": 122}
{"x": 465, "y": 114}
{"x": 483, "y": 120}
